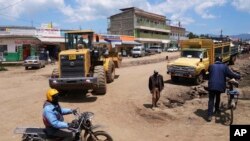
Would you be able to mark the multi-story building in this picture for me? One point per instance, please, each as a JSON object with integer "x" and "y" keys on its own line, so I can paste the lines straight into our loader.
{"x": 177, "y": 33}
{"x": 148, "y": 28}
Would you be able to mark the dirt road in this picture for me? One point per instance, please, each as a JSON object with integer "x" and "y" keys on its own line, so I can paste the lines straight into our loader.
{"x": 124, "y": 110}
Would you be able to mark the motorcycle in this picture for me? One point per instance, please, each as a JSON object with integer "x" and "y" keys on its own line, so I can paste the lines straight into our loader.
{"x": 82, "y": 121}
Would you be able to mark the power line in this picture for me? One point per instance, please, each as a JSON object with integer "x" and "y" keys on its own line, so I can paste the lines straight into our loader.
{"x": 11, "y": 5}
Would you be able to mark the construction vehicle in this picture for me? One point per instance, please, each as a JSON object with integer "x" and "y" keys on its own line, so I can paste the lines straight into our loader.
{"x": 84, "y": 65}
{"x": 196, "y": 56}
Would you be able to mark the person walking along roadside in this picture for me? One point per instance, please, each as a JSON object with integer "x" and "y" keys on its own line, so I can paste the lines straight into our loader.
{"x": 155, "y": 85}
{"x": 217, "y": 84}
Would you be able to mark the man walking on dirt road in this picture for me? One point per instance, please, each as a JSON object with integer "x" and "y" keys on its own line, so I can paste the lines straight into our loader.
{"x": 155, "y": 86}
{"x": 217, "y": 84}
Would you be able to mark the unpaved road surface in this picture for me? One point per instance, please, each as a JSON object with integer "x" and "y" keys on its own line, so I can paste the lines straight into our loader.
{"x": 124, "y": 111}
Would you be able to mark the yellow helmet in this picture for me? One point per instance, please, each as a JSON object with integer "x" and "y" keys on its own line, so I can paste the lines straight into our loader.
{"x": 50, "y": 93}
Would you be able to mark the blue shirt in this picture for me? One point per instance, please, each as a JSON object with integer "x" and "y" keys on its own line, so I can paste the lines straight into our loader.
{"x": 53, "y": 117}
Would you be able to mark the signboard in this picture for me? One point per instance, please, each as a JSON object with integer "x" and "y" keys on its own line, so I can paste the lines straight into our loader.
{"x": 48, "y": 32}
{"x": 34, "y": 42}
{"x": 13, "y": 31}
{"x": 111, "y": 37}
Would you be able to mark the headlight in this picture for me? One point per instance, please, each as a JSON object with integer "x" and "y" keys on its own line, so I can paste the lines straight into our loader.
{"x": 169, "y": 67}
{"x": 54, "y": 81}
{"x": 81, "y": 56}
{"x": 63, "y": 56}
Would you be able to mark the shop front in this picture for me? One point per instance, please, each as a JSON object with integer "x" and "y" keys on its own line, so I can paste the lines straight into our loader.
{"x": 52, "y": 41}
{"x": 16, "y": 48}
{"x": 122, "y": 43}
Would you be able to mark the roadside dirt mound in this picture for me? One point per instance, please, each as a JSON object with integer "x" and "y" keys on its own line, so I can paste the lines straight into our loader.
{"x": 244, "y": 68}
{"x": 148, "y": 61}
{"x": 157, "y": 115}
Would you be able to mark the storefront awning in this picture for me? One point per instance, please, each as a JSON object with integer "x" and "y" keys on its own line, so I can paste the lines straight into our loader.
{"x": 101, "y": 42}
{"x": 130, "y": 43}
{"x": 165, "y": 41}
{"x": 51, "y": 40}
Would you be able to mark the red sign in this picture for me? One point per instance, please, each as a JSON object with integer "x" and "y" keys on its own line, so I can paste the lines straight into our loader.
{"x": 26, "y": 42}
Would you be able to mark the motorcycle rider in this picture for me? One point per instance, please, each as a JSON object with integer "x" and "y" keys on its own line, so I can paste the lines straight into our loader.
{"x": 53, "y": 117}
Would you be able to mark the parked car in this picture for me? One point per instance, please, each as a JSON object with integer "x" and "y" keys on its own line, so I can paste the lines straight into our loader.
{"x": 172, "y": 49}
{"x": 34, "y": 62}
{"x": 138, "y": 51}
{"x": 155, "y": 49}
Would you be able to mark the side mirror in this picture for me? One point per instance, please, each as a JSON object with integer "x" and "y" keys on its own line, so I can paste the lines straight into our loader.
{"x": 200, "y": 59}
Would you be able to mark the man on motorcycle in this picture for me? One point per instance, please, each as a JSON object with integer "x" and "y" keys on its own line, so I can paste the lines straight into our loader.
{"x": 53, "y": 117}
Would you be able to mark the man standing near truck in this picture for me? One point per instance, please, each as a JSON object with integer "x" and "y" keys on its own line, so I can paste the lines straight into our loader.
{"x": 155, "y": 86}
{"x": 217, "y": 84}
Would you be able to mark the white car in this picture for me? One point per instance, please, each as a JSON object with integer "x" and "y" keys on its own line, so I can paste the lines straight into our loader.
{"x": 172, "y": 49}
{"x": 155, "y": 49}
{"x": 138, "y": 51}
{"x": 34, "y": 61}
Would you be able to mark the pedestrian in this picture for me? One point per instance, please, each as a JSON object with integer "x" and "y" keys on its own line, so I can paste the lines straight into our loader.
{"x": 217, "y": 84}
{"x": 155, "y": 86}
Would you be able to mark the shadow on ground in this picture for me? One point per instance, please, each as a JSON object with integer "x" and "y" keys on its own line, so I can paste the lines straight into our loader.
{"x": 77, "y": 97}
{"x": 147, "y": 105}
{"x": 181, "y": 81}
{"x": 201, "y": 113}
{"x": 224, "y": 117}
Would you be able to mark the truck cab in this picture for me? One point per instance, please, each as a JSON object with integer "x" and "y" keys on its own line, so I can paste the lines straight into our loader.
{"x": 195, "y": 58}
{"x": 192, "y": 63}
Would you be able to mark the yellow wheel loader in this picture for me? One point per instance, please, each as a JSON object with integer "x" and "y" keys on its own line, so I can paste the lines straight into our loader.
{"x": 84, "y": 65}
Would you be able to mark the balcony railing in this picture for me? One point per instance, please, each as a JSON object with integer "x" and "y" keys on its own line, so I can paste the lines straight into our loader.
{"x": 152, "y": 36}
{"x": 153, "y": 25}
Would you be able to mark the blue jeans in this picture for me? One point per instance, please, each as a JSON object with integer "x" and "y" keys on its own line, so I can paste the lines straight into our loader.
{"x": 213, "y": 95}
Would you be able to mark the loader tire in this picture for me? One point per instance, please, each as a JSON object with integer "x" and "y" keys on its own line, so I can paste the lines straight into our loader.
{"x": 55, "y": 73}
{"x": 111, "y": 72}
{"x": 101, "y": 87}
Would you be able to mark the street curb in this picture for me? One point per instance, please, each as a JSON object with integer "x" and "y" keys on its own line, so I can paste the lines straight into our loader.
{"x": 148, "y": 61}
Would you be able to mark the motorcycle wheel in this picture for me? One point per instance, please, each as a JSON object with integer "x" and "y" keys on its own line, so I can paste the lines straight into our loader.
{"x": 27, "y": 137}
{"x": 100, "y": 136}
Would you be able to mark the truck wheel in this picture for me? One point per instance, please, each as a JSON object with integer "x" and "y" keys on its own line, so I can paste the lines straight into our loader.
{"x": 101, "y": 88}
{"x": 199, "y": 79}
{"x": 111, "y": 72}
{"x": 26, "y": 68}
{"x": 55, "y": 73}
{"x": 175, "y": 79}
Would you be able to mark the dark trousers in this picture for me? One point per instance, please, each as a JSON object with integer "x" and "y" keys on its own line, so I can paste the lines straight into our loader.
{"x": 213, "y": 95}
{"x": 64, "y": 134}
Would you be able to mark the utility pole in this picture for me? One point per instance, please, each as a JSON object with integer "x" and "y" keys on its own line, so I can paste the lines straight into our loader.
{"x": 179, "y": 25}
{"x": 221, "y": 36}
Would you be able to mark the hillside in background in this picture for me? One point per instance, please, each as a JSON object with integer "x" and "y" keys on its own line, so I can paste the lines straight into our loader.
{"x": 242, "y": 36}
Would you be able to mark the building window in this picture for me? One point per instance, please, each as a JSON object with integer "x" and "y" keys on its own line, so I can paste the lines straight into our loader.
{"x": 3, "y": 48}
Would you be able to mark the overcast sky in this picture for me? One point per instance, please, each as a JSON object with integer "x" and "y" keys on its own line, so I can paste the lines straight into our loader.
{"x": 198, "y": 16}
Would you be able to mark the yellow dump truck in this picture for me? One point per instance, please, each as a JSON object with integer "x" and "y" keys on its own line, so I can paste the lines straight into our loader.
{"x": 196, "y": 56}
{"x": 84, "y": 64}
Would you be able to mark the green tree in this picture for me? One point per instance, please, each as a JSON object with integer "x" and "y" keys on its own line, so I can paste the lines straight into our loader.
{"x": 191, "y": 35}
